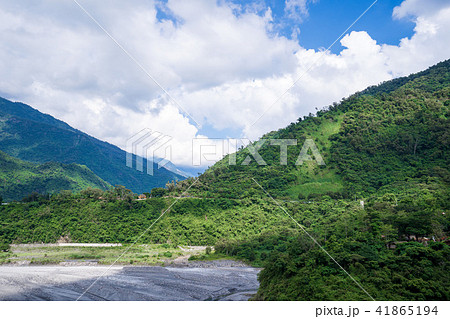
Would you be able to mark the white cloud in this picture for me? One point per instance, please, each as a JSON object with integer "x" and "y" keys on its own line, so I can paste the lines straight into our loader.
{"x": 224, "y": 69}
{"x": 418, "y": 8}
{"x": 427, "y": 46}
{"x": 297, "y": 9}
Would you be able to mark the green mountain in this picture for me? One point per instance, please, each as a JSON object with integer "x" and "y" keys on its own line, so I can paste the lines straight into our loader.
{"x": 386, "y": 136}
{"x": 27, "y": 134}
{"x": 388, "y": 146}
{"x": 19, "y": 179}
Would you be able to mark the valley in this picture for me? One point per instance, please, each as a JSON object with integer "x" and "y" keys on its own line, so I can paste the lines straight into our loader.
{"x": 380, "y": 206}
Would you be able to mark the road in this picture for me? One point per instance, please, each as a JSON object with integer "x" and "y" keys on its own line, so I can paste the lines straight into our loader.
{"x": 127, "y": 283}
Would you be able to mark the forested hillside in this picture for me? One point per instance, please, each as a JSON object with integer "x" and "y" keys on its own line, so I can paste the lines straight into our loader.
{"x": 387, "y": 145}
{"x": 29, "y": 135}
{"x": 382, "y": 139}
{"x": 19, "y": 179}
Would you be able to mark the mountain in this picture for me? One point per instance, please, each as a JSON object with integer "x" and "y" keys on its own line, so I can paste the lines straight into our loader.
{"x": 386, "y": 137}
{"x": 388, "y": 147}
{"x": 30, "y": 135}
{"x": 19, "y": 179}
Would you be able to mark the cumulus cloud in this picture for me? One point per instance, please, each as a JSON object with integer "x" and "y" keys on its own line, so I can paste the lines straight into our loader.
{"x": 428, "y": 45}
{"x": 415, "y": 8}
{"x": 223, "y": 68}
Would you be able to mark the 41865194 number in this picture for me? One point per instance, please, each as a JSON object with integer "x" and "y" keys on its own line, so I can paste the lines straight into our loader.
{"x": 407, "y": 310}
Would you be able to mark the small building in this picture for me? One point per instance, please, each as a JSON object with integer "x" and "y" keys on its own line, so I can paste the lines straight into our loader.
{"x": 142, "y": 196}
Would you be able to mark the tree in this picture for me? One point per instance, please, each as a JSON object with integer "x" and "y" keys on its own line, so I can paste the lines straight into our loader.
{"x": 158, "y": 192}
{"x": 33, "y": 197}
{"x": 170, "y": 186}
{"x": 92, "y": 192}
{"x": 122, "y": 192}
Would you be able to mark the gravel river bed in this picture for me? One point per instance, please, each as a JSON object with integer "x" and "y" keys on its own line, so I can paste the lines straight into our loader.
{"x": 195, "y": 282}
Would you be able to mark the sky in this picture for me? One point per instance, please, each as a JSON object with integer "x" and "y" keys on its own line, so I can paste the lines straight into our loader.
{"x": 204, "y": 69}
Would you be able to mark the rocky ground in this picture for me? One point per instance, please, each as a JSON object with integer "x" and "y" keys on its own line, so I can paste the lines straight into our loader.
{"x": 200, "y": 280}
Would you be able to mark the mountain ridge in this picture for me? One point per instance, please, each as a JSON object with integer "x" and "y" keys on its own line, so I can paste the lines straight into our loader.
{"x": 30, "y": 135}
{"x": 396, "y": 131}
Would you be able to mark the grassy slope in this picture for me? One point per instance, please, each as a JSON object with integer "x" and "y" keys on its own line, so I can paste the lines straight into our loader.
{"x": 310, "y": 178}
{"x": 19, "y": 178}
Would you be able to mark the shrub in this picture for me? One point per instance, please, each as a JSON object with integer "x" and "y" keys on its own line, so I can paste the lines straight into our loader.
{"x": 314, "y": 196}
{"x": 5, "y": 247}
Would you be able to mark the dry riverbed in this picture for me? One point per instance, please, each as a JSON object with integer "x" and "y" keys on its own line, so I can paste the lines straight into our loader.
{"x": 127, "y": 283}
{"x": 45, "y": 272}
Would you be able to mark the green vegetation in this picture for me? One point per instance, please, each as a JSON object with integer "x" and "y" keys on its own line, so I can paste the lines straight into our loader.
{"x": 381, "y": 137}
{"x": 115, "y": 216}
{"x": 4, "y": 247}
{"x": 388, "y": 145}
{"x": 297, "y": 271}
{"x": 211, "y": 256}
{"x": 375, "y": 245}
{"x": 370, "y": 243}
{"x": 20, "y": 179}
{"x": 29, "y": 135}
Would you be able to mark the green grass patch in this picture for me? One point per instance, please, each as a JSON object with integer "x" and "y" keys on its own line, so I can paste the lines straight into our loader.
{"x": 142, "y": 254}
{"x": 315, "y": 180}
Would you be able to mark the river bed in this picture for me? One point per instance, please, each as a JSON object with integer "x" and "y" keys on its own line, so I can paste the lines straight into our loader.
{"x": 57, "y": 282}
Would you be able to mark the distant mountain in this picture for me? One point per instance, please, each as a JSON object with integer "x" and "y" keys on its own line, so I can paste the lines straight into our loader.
{"x": 19, "y": 178}
{"x": 174, "y": 169}
{"x": 30, "y": 135}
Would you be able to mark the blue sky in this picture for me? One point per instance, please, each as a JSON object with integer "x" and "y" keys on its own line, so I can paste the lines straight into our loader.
{"x": 327, "y": 19}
